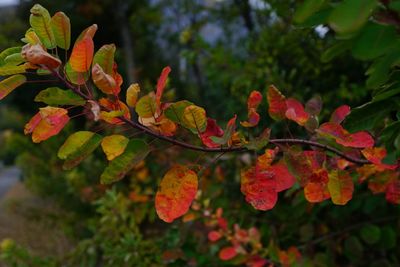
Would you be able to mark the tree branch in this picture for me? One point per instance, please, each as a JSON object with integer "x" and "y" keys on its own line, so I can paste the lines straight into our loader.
{"x": 183, "y": 144}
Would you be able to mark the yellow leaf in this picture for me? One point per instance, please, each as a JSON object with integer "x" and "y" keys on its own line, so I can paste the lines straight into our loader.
{"x": 114, "y": 145}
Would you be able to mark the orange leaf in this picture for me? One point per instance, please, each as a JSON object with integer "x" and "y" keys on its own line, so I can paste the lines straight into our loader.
{"x": 295, "y": 112}
{"x": 360, "y": 139}
{"x": 227, "y": 253}
{"x": 277, "y": 104}
{"x": 82, "y": 55}
{"x": 376, "y": 155}
{"x": 176, "y": 193}
{"x": 35, "y": 54}
{"x": 316, "y": 192}
{"x": 49, "y": 121}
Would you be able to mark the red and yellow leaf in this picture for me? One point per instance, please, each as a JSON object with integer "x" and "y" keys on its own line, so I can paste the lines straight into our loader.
{"x": 82, "y": 55}
{"x": 118, "y": 106}
{"x": 105, "y": 58}
{"x": 295, "y": 112}
{"x": 253, "y": 102}
{"x": 177, "y": 190}
{"x": 162, "y": 81}
{"x": 49, "y": 121}
{"x": 360, "y": 139}
{"x": 376, "y": 155}
{"x": 102, "y": 80}
{"x": 316, "y": 192}
{"x": 276, "y": 104}
{"x": 340, "y": 187}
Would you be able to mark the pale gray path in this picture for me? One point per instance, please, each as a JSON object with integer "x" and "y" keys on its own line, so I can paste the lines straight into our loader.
{"x": 9, "y": 176}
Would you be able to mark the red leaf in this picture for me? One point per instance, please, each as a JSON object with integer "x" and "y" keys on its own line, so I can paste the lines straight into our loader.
{"x": 227, "y": 253}
{"x": 360, "y": 139}
{"x": 295, "y": 112}
{"x": 276, "y": 104}
{"x": 316, "y": 192}
{"x": 161, "y": 84}
{"x": 214, "y": 236}
{"x": 253, "y": 102}
{"x": 259, "y": 188}
{"x": 393, "y": 192}
{"x": 253, "y": 120}
{"x": 284, "y": 179}
{"x": 340, "y": 114}
{"x": 376, "y": 155}
{"x": 256, "y": 261}
{"x": 212, "y": 130}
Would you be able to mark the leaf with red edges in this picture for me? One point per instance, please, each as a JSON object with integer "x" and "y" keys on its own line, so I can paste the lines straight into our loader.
{"x": 340, "y": 114}
{"x": 229, "y": 131}
{"x": 212, "y": 129}
{"x": 162, "y": 81}
{"x": 114, "y": 106}
{"x": 295, "y": 112}
{"x": 376, "y": 155}
{"x": 360, "y": 139}
{"x": 227, "y": 253}
{"x": 276, "y": 104}
{"x": 253, "y": 102}
{"x": 82, "y": 55}
{"x": 176, "y": 193}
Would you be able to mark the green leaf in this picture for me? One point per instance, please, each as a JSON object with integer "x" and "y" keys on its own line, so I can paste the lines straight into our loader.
{"x": 389, "y": 136}
{"x": 353, "y": 248}
{"x": 308, "y": 8}
{"x": 229, "y": 130}
{"x": 374, "y": 41}
{"x": 146, "y": 106}
{"x": 379, "y": 71}
{"x": 10, "y": 70}
{"x": 194, "y": 118}
{"x": 105, "y": 58}
{"x": 8, "y": 85}
{"x": 318, "y": 18}
{"x": 61, "y": 27}
{"x": 350, "y": 15}
{"x": 386, "y": 94}
{"x": 14, "y": 59}
{"x": 135, "y": 151}
{"x": 77, "y": 147}
{"x": 388, "y": 238}
{"x": 7, "y": 52}
{"x": 259, "y": 142}
{"x": 370, "y": 234}
{"x": 337, "y": 49}
{"x": 40, "y": 21}
{"x": 367, "y": 116}
{"x": 174, "y": 112}
{"x": 55, "y": 96}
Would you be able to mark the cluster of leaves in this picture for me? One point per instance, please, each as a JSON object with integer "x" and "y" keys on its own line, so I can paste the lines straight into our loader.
{"x": 322, "y": 176}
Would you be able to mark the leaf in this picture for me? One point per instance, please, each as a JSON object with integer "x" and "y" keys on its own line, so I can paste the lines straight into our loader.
{"x": 253, "y": 102}
{"x": 212, "y": 129}
{"x": 393, "y": 192}
{"x": 31, "y": 37}
{"x": 284, "y": 179}
{"x": 82, "y": 55}
{"x": 360, "y": 139}
{"x": 229, "y": 131}
{"x": 259, "y": 187}
{"x": 227, "y": 253}
{"x": 306, "y": 9}
{"x": 103, "y": 81}
{"x": 214, "y": 236}
{"x": 118, "y": 106}
{"x": 176, "y": 192}
{"x": 78, "y": 78}
{"x": 161, "y": 125}
{"x": 314, "y": 106}
{"x": 375, "y": 40}
{"x": 55, "y": 96}
{"x": 7, "y": 52}
{"x": 340, "y": 114}
{"x": 369, "y": 115}
{"x": 295, "y": 112}
{"x": 195, "y": 119}
{"x": 9, "y": 84}
{"x": 315, "y": 192}
{"x": 41, "y": 23}
{"x": 132, "y": 94}
{"x": 146, "y": 106}
{"x": 350, "y": 15}
{"x": 370, "y": 233}
{"x": 114, "y": 145}
{"x": 105, "y": 58}
{"x": 340, "y": 187}
{"x": 259, "y": 142}
{"x": 276, "y": 104}
{"x": 380, "y": 69}
{"x": 78, "y": 147}
{"x": 14, "y": 59}
{"x": 49, "y": 121}
{"x": 161, "y": 85}
{"x": 135, "y": 151}
{"x": 338, "y": 48}
{"x": 35, "y": 54}
{"x": 11, "y": 70}
{"x": 376, "y": 155}
{"x": 61, "y": 28}
{"x": 175, "y": 111}
{"x": 89, "y": 32}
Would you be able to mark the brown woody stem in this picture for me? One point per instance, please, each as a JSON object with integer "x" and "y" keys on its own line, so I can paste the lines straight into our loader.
{"x": 183, "y": 144}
